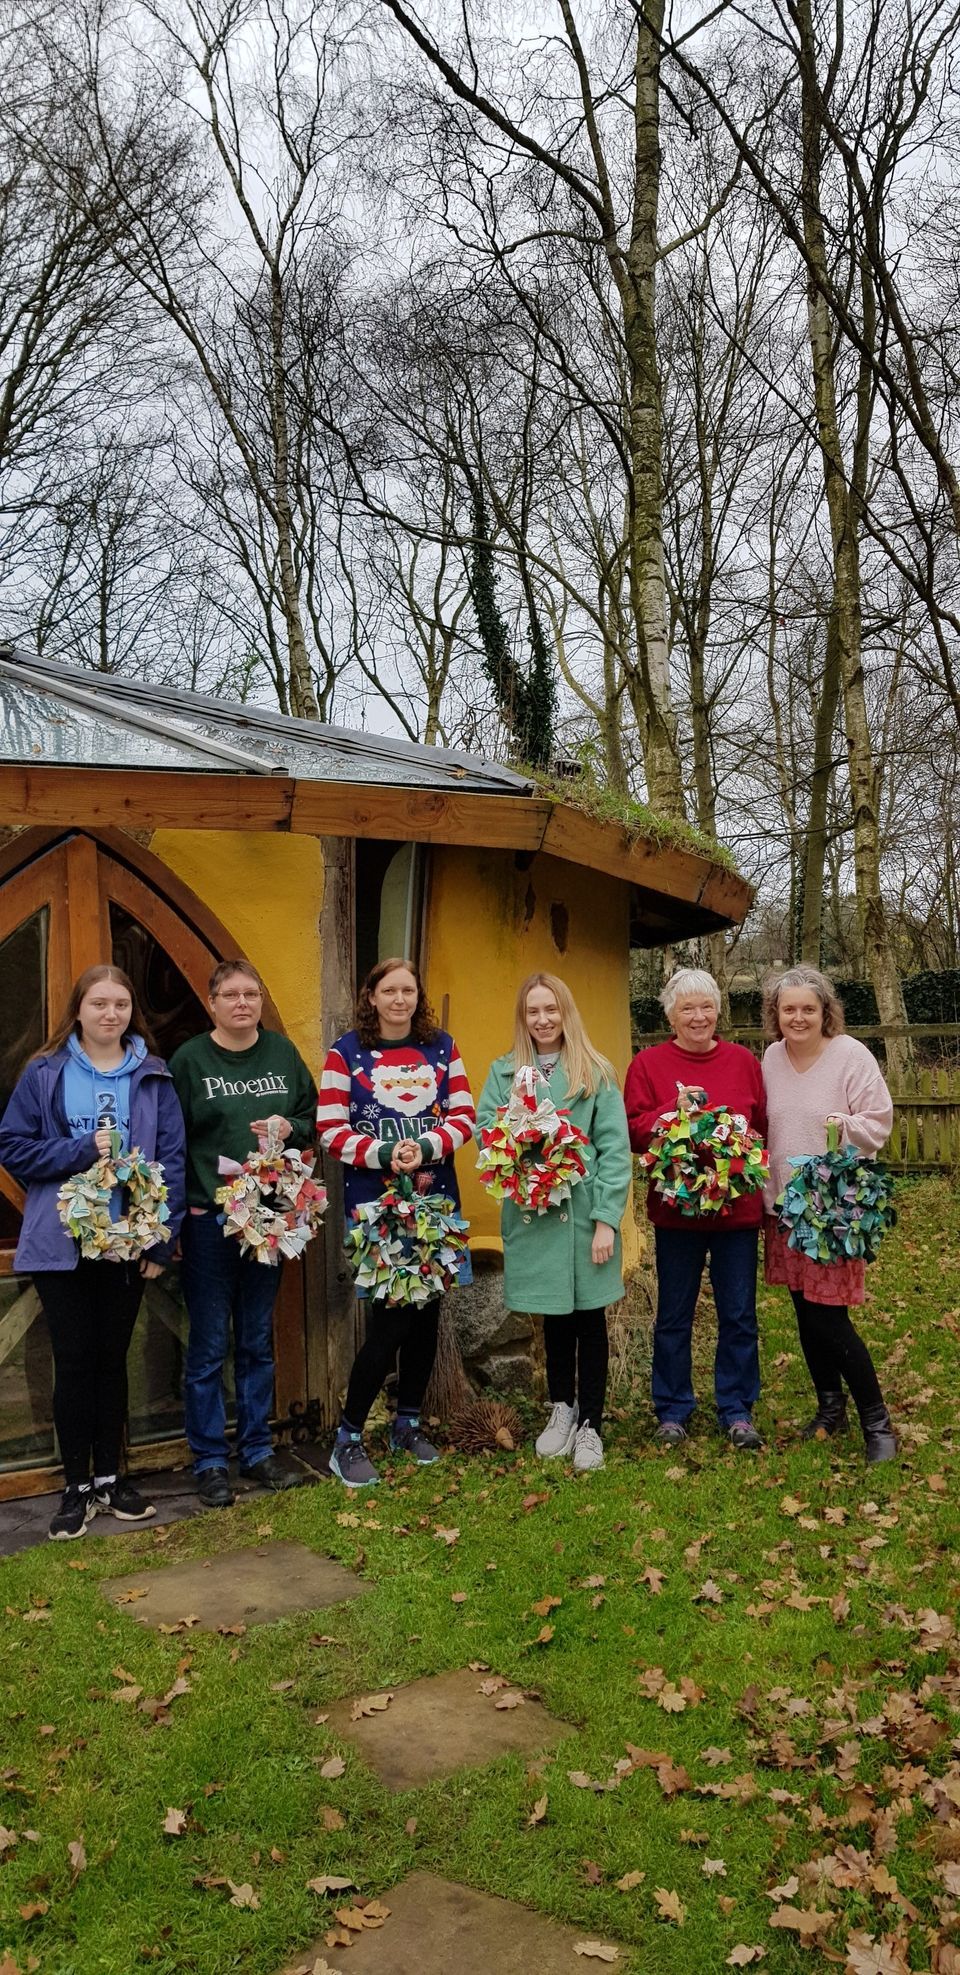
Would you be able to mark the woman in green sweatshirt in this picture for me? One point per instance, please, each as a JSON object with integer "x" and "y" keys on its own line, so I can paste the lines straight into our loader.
{"x": 234, "y": 1085}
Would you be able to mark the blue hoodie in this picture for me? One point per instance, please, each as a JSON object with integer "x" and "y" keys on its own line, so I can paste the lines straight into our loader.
{"x": 41, "y": 1146}
{"x": 94, "y": 1099}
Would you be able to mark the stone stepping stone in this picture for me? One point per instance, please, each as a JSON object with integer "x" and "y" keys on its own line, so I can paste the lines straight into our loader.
{"x": 440, "y": 1724}
{"x": 437, "y": 1926}
{"x": 239, "y": 1587}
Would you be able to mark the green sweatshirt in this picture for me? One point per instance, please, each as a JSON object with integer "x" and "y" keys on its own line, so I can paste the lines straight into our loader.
{"x": 221, "y": 1090}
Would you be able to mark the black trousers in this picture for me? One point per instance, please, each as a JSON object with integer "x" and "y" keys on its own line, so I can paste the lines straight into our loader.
{"x": 90, "y": 1313}
{"x": 405, "y": 1330}
{"x": 577, "y": 1351}
{"x": 835, "y": 1351}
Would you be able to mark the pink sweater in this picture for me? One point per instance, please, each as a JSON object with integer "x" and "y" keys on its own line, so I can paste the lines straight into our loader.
{"x": 845, "y": 1081}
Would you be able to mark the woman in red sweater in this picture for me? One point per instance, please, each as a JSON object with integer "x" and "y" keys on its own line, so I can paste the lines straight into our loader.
{"x": 697, "y": 1067}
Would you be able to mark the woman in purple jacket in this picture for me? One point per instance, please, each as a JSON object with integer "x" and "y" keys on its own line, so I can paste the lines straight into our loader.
{"x": 94, "y": 1076}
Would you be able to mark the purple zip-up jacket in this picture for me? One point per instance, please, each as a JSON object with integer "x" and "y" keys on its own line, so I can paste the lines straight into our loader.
{"x": 39, "y": 1149}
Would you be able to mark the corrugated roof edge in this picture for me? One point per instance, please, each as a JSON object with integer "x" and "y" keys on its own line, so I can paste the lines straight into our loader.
{"x": 472, "y": 770}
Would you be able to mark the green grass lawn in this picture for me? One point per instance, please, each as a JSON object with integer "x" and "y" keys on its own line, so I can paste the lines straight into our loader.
{"x": 793, "y": 1592}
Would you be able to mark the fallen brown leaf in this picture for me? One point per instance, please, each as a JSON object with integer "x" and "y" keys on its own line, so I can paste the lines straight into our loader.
{"x": 629, "y": 1881}
{"x": 367, "y": 1705}
{"x": 596, "y": 1950}
{"x": 78, "y": 1856}
{"x": 538, "y": 1812}
{"x": 742, "y": 1956}
{"x": 335, "y": 1766}
{"x": 175, "y": 1823}
{"x": 332, "y": 1820}
{"x": 243, "y": 1895}
{"x": 670, "y": 1906}
{"x": 329, "y": 1883}
{"x": 510, "y": 1700}
{"x": 805, "y": 1921}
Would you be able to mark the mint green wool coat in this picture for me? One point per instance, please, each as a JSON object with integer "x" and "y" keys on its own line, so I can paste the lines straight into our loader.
{"x": 547, "y": 1268}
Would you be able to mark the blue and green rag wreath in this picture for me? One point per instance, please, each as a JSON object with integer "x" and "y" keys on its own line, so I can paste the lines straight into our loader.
{"x": 837, "y": 1205}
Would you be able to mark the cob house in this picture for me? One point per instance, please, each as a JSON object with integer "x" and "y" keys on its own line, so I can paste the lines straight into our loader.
{"x": 167, "y": 830}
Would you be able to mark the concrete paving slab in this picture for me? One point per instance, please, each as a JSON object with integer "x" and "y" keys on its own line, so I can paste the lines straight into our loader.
{"x": 441, "y": 1724}
{"x": 437, "y": 1927}
{"x": 239, "y": 1587}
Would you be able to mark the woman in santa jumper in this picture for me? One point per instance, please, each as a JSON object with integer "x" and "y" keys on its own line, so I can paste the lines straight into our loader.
{"x": 696, "y": 1067}
{"x": 565, "y": 1264}
{"x": 394, "y": 1098}
{"x": 816, "y": 1075}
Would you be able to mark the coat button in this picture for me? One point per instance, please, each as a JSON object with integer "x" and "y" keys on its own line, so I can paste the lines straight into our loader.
{"x": 527, "y": 1219}
{"x": 563, "y": 1217}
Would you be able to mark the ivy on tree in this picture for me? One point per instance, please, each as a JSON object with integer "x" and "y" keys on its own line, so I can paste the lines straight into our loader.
{"x": 527, "y": 702}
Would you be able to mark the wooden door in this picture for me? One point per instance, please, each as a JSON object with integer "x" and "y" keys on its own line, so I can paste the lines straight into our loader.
{"x": 69, "y": 903}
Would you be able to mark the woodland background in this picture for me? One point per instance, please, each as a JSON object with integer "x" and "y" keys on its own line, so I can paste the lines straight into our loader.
{"x": 573, "y": 382}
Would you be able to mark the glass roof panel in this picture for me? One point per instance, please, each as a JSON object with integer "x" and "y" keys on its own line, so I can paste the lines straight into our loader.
{"x": 37, "y": 726}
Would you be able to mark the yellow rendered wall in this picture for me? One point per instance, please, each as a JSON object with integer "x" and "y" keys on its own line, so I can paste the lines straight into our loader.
{"x": 267, "y": 888}
{"x": 489, "y": 924}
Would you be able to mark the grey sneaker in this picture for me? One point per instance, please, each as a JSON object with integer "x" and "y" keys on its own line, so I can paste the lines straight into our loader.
{"x": 670, "y": 1433}
{"x": 408, "y": 1439}
{"x": 351, "y": 1463}
{"x": 559, "y": 1434}
{"x": 588, "y": 1451}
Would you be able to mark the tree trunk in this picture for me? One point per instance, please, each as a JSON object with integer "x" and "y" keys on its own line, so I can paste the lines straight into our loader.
{"x": 649, "y": 680}
{"x": 815, "y": 846}
{"x": 844, "y": 515}
{"x": 303, "y": 697}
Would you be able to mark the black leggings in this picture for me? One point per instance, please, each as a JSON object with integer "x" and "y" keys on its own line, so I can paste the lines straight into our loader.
{"x": 408, "y": 1329}
{"x": 90, "y": 1312}
{"x": 577, "y": 1351}
{"x": 834, "y": 1351}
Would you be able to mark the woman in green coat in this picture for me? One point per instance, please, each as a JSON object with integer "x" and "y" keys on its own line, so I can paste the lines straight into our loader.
{"x": 565, "y": 1264}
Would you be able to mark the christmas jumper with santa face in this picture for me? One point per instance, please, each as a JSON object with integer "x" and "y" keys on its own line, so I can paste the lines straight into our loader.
{"x": 372, "y": 1096}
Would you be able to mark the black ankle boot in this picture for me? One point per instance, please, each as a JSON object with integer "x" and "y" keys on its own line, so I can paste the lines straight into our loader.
{"x": 879, "y": 1438}
{"x": 830, "y": 1416}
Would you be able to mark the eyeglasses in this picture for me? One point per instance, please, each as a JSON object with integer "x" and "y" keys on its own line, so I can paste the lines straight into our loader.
{"x": 238, "y": 994}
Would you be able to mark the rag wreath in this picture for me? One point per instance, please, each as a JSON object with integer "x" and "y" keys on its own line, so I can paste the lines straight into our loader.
{"x": 83, "y": 1204}
{"x": 272, "y": 1204}
{"x": 701, "y": 1161}
{"x": 531, "y": 1154}
{"x": 836, "y": 1206}
{"x": 406, "y": 1247}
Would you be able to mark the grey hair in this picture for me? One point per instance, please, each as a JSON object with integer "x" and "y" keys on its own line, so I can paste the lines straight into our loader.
{"x": 801, "y": 977}
{"x": 688, "y": 980}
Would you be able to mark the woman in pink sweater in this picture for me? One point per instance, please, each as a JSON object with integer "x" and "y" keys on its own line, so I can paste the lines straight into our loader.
{"x": 696, "y": 1067}
{"x": 815, "y": 1075}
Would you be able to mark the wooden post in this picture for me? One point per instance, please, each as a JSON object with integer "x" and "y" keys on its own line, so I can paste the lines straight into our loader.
{"x": 334, "y": 1332}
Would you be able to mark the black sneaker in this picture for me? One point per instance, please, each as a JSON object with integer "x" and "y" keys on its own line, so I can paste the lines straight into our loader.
{"x": 213, "y": 1488}
{"x": 271, "y": 1473}
{"x": 77, "y": 1508}
{"x": 670, "y": 1433}
{"x": 408, "y": 1439}
{"x": 743, "y": 1434}
{"x": 118, "y": 1498}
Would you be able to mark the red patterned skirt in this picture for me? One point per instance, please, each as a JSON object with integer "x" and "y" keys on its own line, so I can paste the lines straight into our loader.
{"x": 819, "y": 1282}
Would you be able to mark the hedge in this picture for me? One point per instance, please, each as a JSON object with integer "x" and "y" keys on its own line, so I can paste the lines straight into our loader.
{"x": 929, "y": 997}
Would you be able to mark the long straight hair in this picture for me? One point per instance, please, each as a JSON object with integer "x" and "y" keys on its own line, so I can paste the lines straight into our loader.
{"x": 583, "y": 1066}
{"x": 70, "y": 1023}
{"x": 423, "y": 1024}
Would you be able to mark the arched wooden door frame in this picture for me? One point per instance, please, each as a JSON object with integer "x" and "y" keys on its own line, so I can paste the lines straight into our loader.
{"x": 77, "y": 874}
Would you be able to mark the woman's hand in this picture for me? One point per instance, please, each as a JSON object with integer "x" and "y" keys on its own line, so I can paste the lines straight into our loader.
{"x": 690, "y": 1097}
{"x": 603, "y": 1241}
{"x": 102, "y": 1140}
{"x": 150, "y": 1270}
{"x": 406, "y": 1156}
{"x": 272, "y": 1127}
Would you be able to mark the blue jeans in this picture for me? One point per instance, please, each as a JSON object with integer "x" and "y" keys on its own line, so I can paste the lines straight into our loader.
{"x": 681, "y": 1254}
{"x": 223, "y": 1288}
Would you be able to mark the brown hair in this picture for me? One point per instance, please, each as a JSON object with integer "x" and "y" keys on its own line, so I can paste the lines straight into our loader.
{"x": 225, "y": 968}
{"x": 70, "y": 1024}
{"x": 423, "y": 1026}
{"x": 583, "y": 1066}
{"x": 801, "y": 977}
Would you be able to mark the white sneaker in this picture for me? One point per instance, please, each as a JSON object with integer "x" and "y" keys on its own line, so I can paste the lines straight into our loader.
{"x": 559, "y": 1433}
{"x": 588, "y": 1452}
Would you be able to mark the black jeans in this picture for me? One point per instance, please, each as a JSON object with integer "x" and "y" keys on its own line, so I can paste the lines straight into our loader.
{"x": 834, "y": 1351}
{"x": 577, "y": 1351}
{"x": 407, "y": 1329}
{"x": 90, "y": 1312}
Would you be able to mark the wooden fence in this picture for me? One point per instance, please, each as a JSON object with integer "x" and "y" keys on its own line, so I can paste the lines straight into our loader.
{"x": 926, "y": 1123}
{"x": 926, "y": 1117}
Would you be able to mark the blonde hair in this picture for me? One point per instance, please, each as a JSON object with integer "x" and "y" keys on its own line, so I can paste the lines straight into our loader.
{"x": 583, "y": 1066}
{"x": 801, "y": 977}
